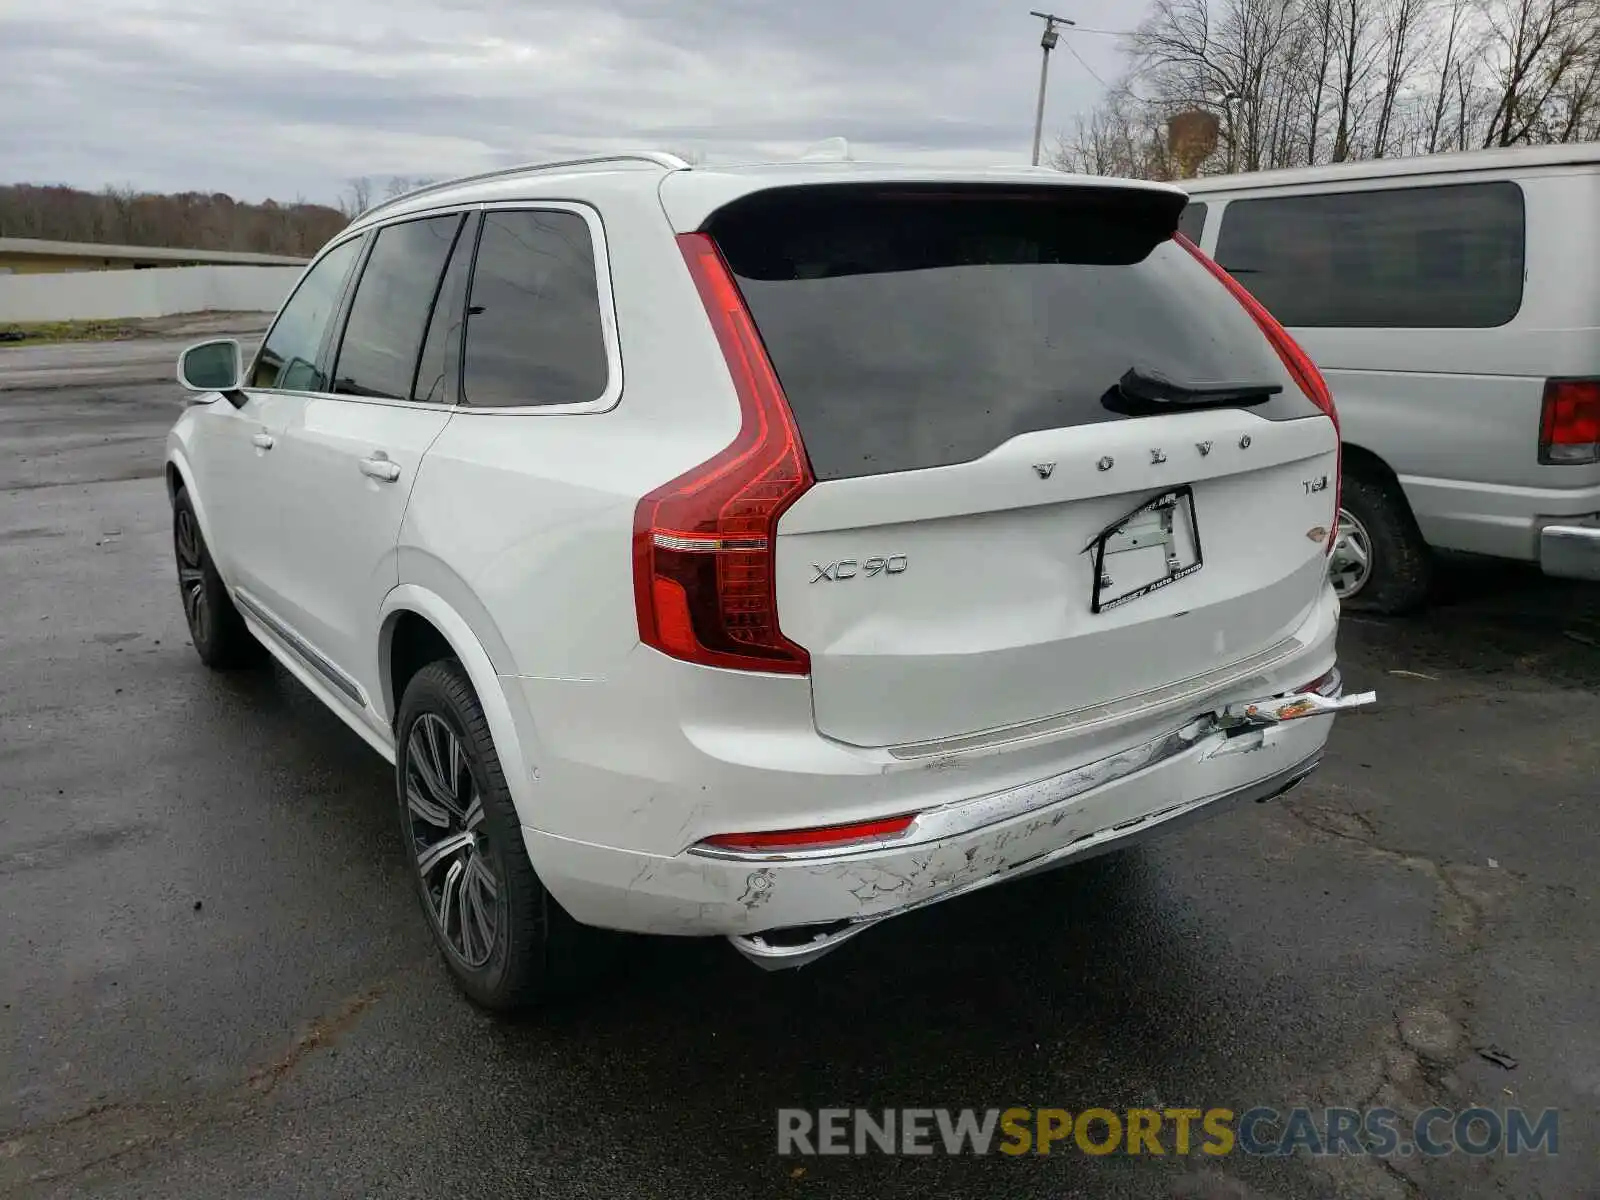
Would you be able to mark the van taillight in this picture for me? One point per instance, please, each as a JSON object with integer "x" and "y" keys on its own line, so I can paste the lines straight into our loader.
{"x": 1298, "y": 363}
{"x": 1569, "y": 426}
{"x": 703, "y": 545}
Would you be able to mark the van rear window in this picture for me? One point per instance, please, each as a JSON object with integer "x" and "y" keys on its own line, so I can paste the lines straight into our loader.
{"x": 1446, "y": 256}
{"x": 920, "y": 327}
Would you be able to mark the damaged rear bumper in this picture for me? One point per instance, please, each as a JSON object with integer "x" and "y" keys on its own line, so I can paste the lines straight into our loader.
{"x": 797, "y": 947}
{"x": 785, "y": 909}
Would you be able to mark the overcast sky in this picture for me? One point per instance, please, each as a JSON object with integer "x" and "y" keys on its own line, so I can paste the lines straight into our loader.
{"x": 289, "y": 98}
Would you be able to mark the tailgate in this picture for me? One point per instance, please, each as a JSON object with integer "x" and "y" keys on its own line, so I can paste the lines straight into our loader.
{"x": 1057, "y": 463}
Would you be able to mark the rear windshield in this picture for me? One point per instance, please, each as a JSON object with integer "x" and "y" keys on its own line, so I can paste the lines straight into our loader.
{"x": 917, "y": 328}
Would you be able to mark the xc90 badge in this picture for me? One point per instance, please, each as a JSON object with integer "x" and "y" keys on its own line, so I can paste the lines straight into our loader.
{"x": 850, "y": 568}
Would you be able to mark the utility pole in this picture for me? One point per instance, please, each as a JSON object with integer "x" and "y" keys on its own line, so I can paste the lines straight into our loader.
{"x": 1048, "y": 42}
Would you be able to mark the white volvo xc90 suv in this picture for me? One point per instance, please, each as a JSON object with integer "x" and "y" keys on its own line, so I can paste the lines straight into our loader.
{"x": 768, "y": 551}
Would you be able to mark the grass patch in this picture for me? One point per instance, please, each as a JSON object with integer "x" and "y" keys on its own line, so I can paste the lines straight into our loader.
{"x": 26, "y": 332}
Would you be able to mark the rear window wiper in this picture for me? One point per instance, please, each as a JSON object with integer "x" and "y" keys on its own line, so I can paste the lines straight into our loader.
{"x": 1141, "y": 392}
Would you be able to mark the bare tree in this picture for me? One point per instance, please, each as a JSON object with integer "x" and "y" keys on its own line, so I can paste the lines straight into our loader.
{"x": 357, "y": 197}
{"x": 1118, "y": 138}
{"x": 1401, "y": 50}
{"x": 1197, "y": 57}
{"x": 1308, "y": 81}
{"x": 1324, "y": 40}
{"x": 1449, "y": 64}
{"x": 1540, "y": 46}
{"x": 1354, "y": 59}
{"x": 1575, "y": 104}
{"x": 116, "y": 220}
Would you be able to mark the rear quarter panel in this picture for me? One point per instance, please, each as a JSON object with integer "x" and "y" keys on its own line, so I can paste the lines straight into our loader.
{"x": 531, "y": 513}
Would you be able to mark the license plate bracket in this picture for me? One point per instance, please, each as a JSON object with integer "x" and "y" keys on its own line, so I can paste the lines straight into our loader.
{"x": 1152, "y": 547}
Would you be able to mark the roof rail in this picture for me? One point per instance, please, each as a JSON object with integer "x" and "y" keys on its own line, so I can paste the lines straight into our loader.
{"x": 661, "y": 159}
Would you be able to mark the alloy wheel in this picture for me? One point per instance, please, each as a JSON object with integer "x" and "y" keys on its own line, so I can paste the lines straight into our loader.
{"x": 447, "y": 835}
{"x": 191, "y": 576}
{"x": 1350, "y": 564}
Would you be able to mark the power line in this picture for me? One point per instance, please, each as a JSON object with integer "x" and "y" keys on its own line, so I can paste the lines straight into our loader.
{"x": 1095, "y": 74}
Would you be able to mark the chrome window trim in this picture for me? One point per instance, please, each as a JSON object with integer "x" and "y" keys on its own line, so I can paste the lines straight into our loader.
{"x": 607, "y": 400}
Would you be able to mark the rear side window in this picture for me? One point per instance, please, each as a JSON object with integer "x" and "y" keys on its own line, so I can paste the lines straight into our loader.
{"x": 917, "y": 328}
{"x": 1193, "y": 222}
{"x": 1440, "y": 257}
{"x": 534, "y": 331}
{"x": 288, "y": 358}
{"x": 389, "y": 314}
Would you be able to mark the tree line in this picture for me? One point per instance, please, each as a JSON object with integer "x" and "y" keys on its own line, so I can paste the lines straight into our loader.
{"x": 190, "y": 220}
{"x": 1302, "y": 82}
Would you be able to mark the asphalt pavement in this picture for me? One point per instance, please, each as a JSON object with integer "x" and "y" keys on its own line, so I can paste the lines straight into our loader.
{"x": 215, "y": 980}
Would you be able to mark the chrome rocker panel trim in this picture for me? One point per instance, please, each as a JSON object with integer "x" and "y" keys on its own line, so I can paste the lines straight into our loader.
{"x": 304, "y": 650}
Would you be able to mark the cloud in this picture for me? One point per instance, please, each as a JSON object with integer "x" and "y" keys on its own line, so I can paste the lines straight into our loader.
{"x": 296, "y": 97}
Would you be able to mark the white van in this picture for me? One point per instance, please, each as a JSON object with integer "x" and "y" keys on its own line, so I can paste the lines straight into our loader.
{"x": 1453, "y": 302}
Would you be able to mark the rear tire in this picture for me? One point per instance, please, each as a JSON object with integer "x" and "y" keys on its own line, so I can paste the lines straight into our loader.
{"x": 504, "y": 938}
{"x": 220, "y": 636}
{"x": 1380, "y": 563}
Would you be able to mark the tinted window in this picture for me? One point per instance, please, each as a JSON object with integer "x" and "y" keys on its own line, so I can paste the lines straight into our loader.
{"x": 389, "y": 314}
{"x": 534, "y": 334}
{"x": 921, "y": 329}
{"x": 288, "y": 358}
{"x": 1193, "y": 222}
{"x": 439, "y": 368}
{"x": 1424, "y": 257}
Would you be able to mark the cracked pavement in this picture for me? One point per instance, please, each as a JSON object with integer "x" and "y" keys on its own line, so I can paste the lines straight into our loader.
{"x": 214, "y": 980}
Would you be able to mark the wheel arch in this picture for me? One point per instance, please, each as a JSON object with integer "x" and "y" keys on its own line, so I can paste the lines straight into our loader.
{"x": 179, "y": 475}
{"x": 1359, "y": 460}
{"x": 1402, "y": 572}
{"x": 426, "y": 623}
{"x": 1365, "y": 462}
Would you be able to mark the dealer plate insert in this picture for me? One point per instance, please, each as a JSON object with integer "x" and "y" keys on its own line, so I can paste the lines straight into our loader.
{"x": 1155, "y": 545}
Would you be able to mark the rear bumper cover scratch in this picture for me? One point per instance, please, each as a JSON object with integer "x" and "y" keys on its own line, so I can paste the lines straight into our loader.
{"x": 773, "y": 952}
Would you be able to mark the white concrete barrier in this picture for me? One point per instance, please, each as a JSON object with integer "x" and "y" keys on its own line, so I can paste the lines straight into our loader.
{"x": 156, "y": 292}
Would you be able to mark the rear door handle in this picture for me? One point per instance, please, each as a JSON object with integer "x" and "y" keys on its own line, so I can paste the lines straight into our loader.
{"x": 261, "y": 441}
{"x": 379, "y": 467}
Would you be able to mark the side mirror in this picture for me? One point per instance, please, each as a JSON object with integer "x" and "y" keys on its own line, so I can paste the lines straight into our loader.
{"x": 211, "y": 367}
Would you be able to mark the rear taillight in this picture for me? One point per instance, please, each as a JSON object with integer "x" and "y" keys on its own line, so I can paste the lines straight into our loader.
{"x": 1298, "y": 363}
{"x": 703, "y": 570}
{"x": 1569, "y": 426}
{"x": 816, "y": 838}
{"x": 1328, "y": 684}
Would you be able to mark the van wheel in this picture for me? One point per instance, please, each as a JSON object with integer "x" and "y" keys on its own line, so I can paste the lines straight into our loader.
{"x": 503, "y": 936}
{"x": 218, "y": 632}
{"x": 1380, "y": 563}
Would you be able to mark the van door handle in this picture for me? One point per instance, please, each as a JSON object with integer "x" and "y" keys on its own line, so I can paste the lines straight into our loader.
{"x": 380, "y": 468}
{"x": 261, "y": 441}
